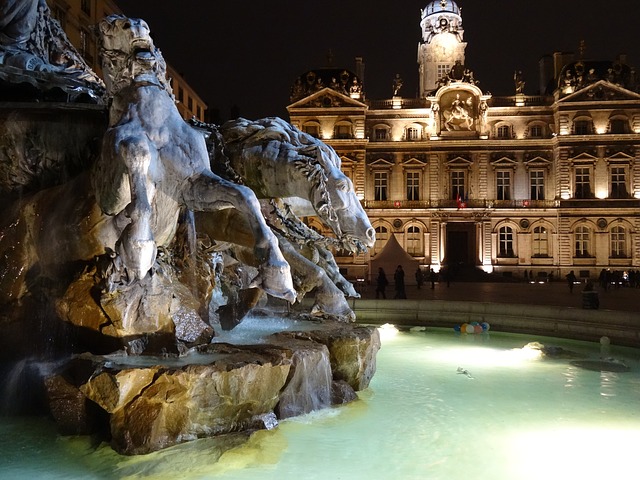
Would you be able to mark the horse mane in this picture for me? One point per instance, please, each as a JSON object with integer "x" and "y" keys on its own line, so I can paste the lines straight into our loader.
{"x": 314, "y": 161}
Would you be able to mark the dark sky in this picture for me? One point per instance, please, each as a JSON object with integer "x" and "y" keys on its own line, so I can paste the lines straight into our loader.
{"x": 248, "y": 53}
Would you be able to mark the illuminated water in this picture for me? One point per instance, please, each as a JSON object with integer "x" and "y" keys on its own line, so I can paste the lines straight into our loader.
{"x": 511, "y": 418}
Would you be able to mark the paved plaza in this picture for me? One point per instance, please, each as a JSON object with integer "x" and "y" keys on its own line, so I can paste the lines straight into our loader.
{"x": 554, "y": 294}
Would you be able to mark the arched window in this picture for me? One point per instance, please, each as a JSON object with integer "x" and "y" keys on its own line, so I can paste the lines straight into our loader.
{"x": 505, "y": 242}
{"x": 412, "y": 133}
{"x": 382, "y": 235}
{"x": 583, "y": 127}
{"x": 619, "y": 125}
{"x": 583, "y": 241}
{"x": 618, "y": 242}
{"x": 414, "y": 241}
{"x": 540, "y": 242}
{"x": 343, "y": 130}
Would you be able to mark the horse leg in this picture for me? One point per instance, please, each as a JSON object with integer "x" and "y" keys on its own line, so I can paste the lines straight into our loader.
{"x": 136, "y": 245}
{"x": 329, "y": 299}
{"x": 209, "y": 192}
{"x": 328, "y": 263}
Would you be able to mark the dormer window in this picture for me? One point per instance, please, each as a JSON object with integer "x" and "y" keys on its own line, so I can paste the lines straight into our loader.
{"x": 619, "y": 125}
{"x": 412, "y": 133}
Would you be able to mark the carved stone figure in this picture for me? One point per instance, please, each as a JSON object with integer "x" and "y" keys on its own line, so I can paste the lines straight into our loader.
{"x": 458, "y": 115}
{"x": 30, "y": 39}
{"x": 277, "y": 160}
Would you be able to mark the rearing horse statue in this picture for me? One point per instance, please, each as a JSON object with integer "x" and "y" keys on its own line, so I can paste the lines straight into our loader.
{"x": 153, "y": 163}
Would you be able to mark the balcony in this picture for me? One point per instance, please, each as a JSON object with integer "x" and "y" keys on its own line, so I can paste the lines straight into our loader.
{"x": 600, "y": 203}
{"x": 450, "y": 203}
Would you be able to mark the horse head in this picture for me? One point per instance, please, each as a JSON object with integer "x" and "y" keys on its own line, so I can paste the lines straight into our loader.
{"x": 336, "y": 203}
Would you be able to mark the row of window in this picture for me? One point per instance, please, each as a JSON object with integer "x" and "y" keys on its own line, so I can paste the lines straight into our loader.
{"x": 540, "y": 238}
{"x": 504, "y": 184}
{"x": 583, "y": 242}
{"x": 344, "y": 130}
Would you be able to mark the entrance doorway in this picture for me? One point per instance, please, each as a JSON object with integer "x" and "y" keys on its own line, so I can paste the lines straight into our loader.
{"x": 461, "y": 245}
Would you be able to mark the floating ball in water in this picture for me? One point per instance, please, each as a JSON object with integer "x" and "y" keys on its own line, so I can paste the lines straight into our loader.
{"x": 477, "y": 329}
{"x": 457, "y": 328}
{"x": 470, "y": 329}
{"x": 485, "y": 326}
{"x": 463, "y": 327}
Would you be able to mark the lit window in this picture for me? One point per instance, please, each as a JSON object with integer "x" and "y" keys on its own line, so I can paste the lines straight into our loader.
{"x": 412, "y": 133}
{"x": 540, "y": 242}
{"x": 536, "y": 177}
{"x": 583, "y": 182}
{"x": 505, "y": 242}
{"x": 413, "y": 185}
{"x": 457, "y": 184}
{"x": 380, "y": 185}
{"x": 503, "y": 185}
{"x": 618, "y": 182}
{"x": 583, "y": 241}
{"x": 618, "y": 242}
{"x": 414, "y": 241}
{"x": 443, "y": 69}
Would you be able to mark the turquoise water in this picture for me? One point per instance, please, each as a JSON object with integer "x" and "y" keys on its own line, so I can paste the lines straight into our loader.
{"x": 509, "y": 417}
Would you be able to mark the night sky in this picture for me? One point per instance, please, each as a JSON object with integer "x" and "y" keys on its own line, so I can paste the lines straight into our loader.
{"x": 248, "y": 53}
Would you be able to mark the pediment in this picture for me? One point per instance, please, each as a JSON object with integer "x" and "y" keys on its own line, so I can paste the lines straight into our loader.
{"x": 620, "y": 156}
{"x": 537, "y": 162}
{"x": 504, "y": 162}
{"x": 601, "y": 91}
{"x": 459, "y": 162}
{"x": 584, "y": 157}
{"x": 327, "y": 98}
{"x": 381, "y": 163}
{"x": 414, "y": 162}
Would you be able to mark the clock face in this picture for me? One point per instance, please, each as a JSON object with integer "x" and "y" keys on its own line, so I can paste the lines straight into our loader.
{"x": 443, "y": 22}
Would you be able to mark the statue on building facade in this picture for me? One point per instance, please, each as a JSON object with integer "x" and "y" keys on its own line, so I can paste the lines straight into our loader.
{"x": 397, "y": 84}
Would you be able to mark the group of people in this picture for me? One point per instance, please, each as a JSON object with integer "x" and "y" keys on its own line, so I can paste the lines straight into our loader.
{"x": 399, "y": 283}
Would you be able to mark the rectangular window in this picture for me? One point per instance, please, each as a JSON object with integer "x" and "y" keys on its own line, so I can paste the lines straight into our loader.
{"x": 536, "y": 131}
{"x": 536, "y": 178}
{"x": 583, "y": 182}
{"x": 457, "y": 184}
{"x": 540, "y": 242}
{"x": 618, "y": 243}
{"x": 413, "y": 185}
{"x": 583, "y": 241}
{"x": 443, "y": 69}
{"x": 504, "y": 131}
{"x": 505, "y": 240}
{"x": 412, "y": 133}
{"x": 190, "y": 104}
{"x": 380, "y": 185}
{"x": 583, "y": 127}
{"x": 503, "y": 184}
{"x": 618, "y": 182}
{"x": 342, "y": 131}
{"x": 311, "y": 129}
{"x": 618, "y": 126}
{"x": 180, "y": 94}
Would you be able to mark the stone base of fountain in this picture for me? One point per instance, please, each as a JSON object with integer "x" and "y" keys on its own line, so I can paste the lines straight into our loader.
{"x": 150, "y": 403}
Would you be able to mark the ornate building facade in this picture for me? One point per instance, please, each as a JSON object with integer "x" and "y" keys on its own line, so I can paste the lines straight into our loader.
{"x": 540, "y": 184}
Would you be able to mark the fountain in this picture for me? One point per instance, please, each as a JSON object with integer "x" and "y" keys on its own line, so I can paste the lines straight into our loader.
{"x": 131, "y": 239}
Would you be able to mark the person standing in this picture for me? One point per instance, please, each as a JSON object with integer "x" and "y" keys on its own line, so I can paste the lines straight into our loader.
{"x": 398, "y": 278}
{"x": 419, "y": 277}
{"x": 571, "y": 280}
{"x": 381, "y": 283}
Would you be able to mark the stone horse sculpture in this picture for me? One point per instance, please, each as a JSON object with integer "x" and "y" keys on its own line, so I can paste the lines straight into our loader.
{"x": 153, "y": 163}
{"x": 276, "y": 160}
{"x": 152, "y": 166}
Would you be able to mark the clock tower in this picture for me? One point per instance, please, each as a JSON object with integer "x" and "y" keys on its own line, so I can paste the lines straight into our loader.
{"x": 441, "y": 48}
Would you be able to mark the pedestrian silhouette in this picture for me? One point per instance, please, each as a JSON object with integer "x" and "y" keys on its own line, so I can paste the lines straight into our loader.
{"x": 381, "y": 283}
{"x": 398, "y": 278}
